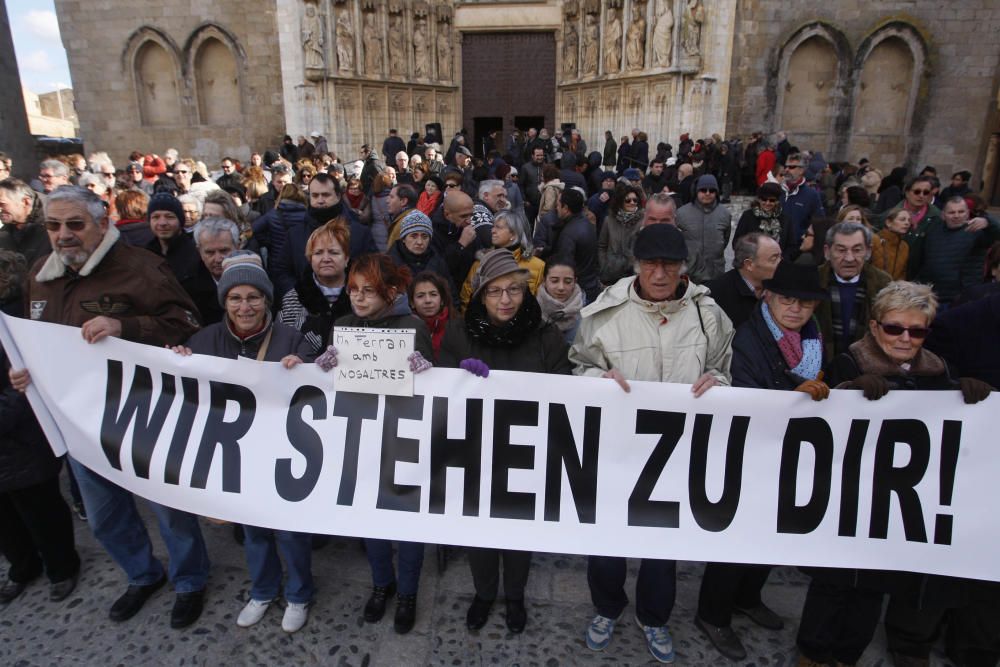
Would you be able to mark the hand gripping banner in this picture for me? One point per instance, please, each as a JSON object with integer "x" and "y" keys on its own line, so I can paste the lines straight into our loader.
{"x": 533, "y": 462}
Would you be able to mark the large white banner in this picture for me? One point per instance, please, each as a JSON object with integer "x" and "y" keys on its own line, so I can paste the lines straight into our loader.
{"x": 534, "y": 462}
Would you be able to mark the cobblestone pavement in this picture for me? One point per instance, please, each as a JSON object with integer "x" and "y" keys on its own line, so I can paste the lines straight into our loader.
{"x": 34, "y": 631}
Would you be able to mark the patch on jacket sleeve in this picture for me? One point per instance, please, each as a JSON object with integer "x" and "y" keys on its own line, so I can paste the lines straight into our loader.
{"x": 108, "y": 305}
{"x": 36, "y": 309}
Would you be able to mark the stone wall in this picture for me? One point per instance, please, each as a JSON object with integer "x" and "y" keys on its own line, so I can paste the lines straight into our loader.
{"x": 15, "y": 139}
{"x": 911, "y": 81}
{"x": 202, "y": 77}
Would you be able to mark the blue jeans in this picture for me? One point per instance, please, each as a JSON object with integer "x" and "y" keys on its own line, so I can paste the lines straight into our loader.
{"x": 411, "y": 559}
{"x": 262, "y": 547}
{"x": 655, "y": 589}
{"x": 115, "y": 521}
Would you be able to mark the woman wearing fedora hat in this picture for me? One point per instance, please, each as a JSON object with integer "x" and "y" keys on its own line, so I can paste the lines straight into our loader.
{"x": 779, "y": 347}
{"x": 503, "y": 329}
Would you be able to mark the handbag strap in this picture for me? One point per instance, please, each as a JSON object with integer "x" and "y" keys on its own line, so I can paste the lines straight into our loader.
{"x": 263, "y": 346}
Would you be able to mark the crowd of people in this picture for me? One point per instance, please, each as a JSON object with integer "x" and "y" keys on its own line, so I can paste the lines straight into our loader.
{"x": 538, "y": 257}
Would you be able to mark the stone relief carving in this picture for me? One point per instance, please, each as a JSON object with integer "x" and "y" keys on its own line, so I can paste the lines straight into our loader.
{"x": 591, "y": 45}
{"x": 571, "y": 46}
{"x": 372, "y": 45}
{"x": 663, "y": 36}
{"x": 421, "y": 51}
{"x": 420, "y": 105}
{"x": 613, "y": 45}
{"x": 345, "y": 43}
{"x": 694, "y": 17}
{"x": 397, "y": 44}
{"x": 312, "y": 38}
{"x": 635, "y": 45}
{"x": 444, "y": 52}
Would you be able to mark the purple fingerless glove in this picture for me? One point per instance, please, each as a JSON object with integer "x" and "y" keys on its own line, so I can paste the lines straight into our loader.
{"x": 418, "y": 364}
{"x": 475, "y": 366}
{"x": 328, "y": 360}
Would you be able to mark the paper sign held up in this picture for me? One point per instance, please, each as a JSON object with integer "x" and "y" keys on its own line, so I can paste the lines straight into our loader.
{"x": 374, "y": 361}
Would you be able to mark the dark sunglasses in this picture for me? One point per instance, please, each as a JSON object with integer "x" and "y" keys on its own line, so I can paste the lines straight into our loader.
{"x": 451, "y": 185}
{"x": 712, "y": 190}
{"x": 631, "y": 200}
{"x": 72, "y": 225}
{"x": 918, "y": 333}
{"x": 770, "y": 200}
{"x": 921, "y": 192}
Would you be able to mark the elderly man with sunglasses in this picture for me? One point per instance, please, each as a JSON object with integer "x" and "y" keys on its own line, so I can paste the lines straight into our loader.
{"x": 852, "y": 283}
{"x": 108, "y": 288}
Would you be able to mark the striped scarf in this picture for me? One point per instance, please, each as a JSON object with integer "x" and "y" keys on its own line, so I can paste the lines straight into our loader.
{"x": 802, "y": 350}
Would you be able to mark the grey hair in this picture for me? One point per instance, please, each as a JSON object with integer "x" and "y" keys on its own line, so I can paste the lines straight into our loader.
{"x": 849, "y": 229}
{"x": 662, "y": 199}
{"x": 488, "y": 185}
{"x": 746, "y": 248}
{"x": 191, "y": 199}
{"x": 214, "y": 226}
{"x": 903, "y": 295}
{"x": 56, "y": 166}
{"x": 98, "y": 160}
{"x": 82, "y": 197}
{"x": 171, "y": 152}
{"x": 517, "y": 222}
{"x": 17, "y": 188}
{"x": 92, "y": 179}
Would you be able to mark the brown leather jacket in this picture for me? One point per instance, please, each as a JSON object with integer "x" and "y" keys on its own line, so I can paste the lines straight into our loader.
{"x": 123, "y": 282}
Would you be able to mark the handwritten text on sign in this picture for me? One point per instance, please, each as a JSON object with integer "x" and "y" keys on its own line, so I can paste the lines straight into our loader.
{"x": 374, "y": 361}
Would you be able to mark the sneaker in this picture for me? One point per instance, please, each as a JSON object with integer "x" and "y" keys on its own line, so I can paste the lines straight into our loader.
{"x": 252, "y": 613}
{"x": 724, "y": 639}
{"x": 296, "y": 615}
{"x": 406, "y": 613}
{"x": 80, "y": 510}
{"x": 375, "y": 607}
{"x": 661, "y": 646}
{"x": 600, "y": 631}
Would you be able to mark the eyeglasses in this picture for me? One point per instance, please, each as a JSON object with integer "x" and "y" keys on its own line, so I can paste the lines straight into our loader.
{"x": 922, "y": 193}
{"x": 769, "y": 200}
{"x": 668, "y": 265}
{"x": 631, "y": 200}
{"x": 791, "y": 301}
{"x": 235, "y": 301}
{"x": 514, "y": 291}
{"x": 71, "y": 225}
{"x": 367, "y": 292}
{"x": 918, "y": 333}
{"x": 451, "y": 185}
{"x": 703, "y": 190}
{"x": 181, "y": 171}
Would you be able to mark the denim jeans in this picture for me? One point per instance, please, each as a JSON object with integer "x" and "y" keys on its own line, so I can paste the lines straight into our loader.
{"x": 655, "y": 589}
{"x": 115, "y": 521}
{"x": 262, "y": 547}
{"x": 411, "y": 559}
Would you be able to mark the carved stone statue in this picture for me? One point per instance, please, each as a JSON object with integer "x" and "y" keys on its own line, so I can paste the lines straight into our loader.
{"x": 694, "y": 16}
{"x": 312, "y": 39}
{"x": 663, "y": 37}
{"x": 591, "y": 41}
{"x": 613, "y": 45}
{"x": 571, "y": 45}
{"x": 373, "y": 45}
{"x": 444, "y": 53}
{"x": 421, "y": 51}
{"x": 345, "y": 43}
{"x": 397, "y": 44}
{"x": 635, "y": 45}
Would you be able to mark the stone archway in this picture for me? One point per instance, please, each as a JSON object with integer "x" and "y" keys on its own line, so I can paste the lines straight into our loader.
{"x": 152, "y": 59}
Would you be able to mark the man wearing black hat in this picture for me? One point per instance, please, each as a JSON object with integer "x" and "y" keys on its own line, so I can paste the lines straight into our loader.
{"x": 655, "y": 326}
{"x": 780, "y": 347}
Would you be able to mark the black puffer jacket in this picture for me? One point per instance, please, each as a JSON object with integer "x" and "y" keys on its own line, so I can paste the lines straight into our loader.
{"x": 25, "y": 456}
{"x": 525, "y": 344}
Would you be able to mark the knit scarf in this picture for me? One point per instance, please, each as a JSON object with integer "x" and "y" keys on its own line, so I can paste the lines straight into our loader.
{"x": 563, "y": 314}
{"x": 802, "y": 351}
{"x": 769, "y": 223}
{"x": 627, "y": 219}
{"x": 916, "y": 214}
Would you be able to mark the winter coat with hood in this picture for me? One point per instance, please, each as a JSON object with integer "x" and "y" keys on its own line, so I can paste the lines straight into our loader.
{"x": 706, "y": 231}
{"x": 668, "y": 341}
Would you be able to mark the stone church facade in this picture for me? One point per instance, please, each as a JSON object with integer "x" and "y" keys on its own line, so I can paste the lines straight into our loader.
{"x": 901, "y": 81}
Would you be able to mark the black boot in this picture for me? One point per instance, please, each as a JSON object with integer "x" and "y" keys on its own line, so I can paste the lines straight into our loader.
{"x": 375, "y": 607}
{"x": 406, "y": 613}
